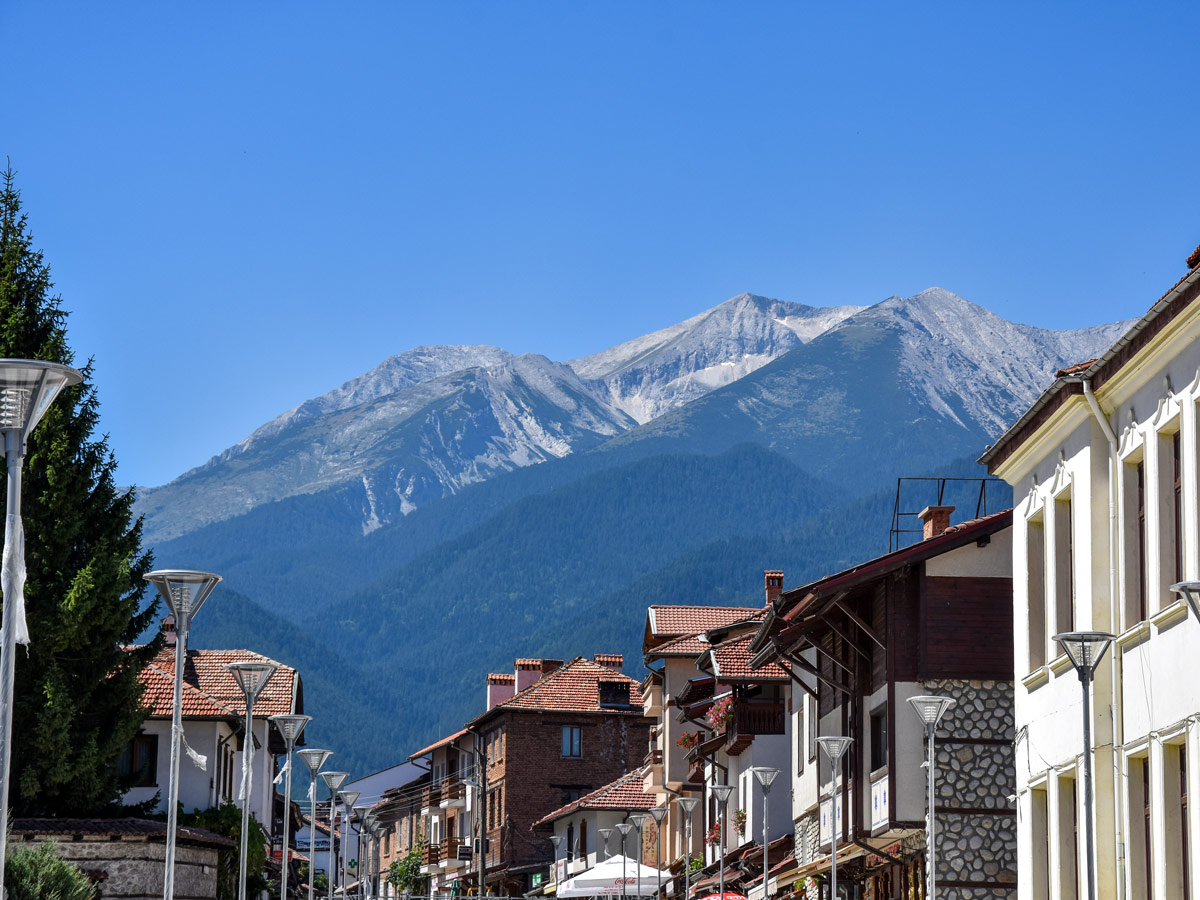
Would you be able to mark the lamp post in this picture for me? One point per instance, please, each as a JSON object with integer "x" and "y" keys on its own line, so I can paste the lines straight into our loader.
{"x": 722, "y": 792}
{"x": 313, "y": 760}
{"x": 348, "y": 798}
{"x": 930, "y": 709}
{"x": 290, "y": 728}
{"x": 251, "y": 677}
{"x": 363, "y": 814}
{"x": 835, "y": 748}
{"x": 639, "y": 821}
{"x": 184, "y": 592}
{"x": 658, "y": 813}
{"x": 605, "y": 834}
{"x": 688, "y": 805}
{"x": 1086, "y": 649}
{"x": 557, "y": 841}
{"x": 765, "y": 776}
{"x": 1190, "y": 590}
{"x": 333, "y": 781}
{"x": 27, "y": 388}
{"x": 624, "y": 828}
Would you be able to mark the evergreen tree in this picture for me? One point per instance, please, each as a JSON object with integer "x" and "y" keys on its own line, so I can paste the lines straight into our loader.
{"x": 77, "y": 696}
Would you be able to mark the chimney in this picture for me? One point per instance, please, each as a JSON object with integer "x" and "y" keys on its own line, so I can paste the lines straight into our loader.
{"x": 500, "y": 688}
{"x": 614, "y": 661}
{"x": 527, "y": 672}
{"x": 549, "y": 665}
{"x": 773, "y": 579}
{"x": 936, "y": 519}
{"x": 168, "y": 627}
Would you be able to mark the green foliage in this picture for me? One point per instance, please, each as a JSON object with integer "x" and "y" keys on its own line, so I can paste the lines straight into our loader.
{"x": 405, "y": 874}
{"x": 37, "y": 873}
{"x": 321, "y": 884}
{"x": 226, "y": 820}
{"x": 695, "y": 864}
{"x": 77, "y": 694}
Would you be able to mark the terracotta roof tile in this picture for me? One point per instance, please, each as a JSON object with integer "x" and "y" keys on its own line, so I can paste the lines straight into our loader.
{"x": 732, "y": 660}
{"x": 209, "y": 691}
{"x": 574, "y": 686}
{"x": 1075, "y": 369}
{"x": 680, "y": 620}
{"x": 624, "y": 793}
{"x": 688, "y": 645}
{"x": 115, "y": 828}
{"x": 442, "y": 742}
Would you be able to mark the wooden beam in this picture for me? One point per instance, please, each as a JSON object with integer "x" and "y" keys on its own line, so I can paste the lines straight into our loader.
{"x": 853, "y": 617}
{"x": 812, "y": 670}
{"x": 845, "y": 636}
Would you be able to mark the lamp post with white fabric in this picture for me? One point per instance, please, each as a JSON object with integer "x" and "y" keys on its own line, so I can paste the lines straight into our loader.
{"x": 362, "y": 812}
{"x": 605, "y": 834}
{"x": 688, "y": 805}
{"x": 639, "y": 821}
{"x": 27, "y": 388}
{"x": 722, "y": 792}
{"x": 184, "y": 592}
{"x": 835, "y": 747}
{"x": 765, "y": 776}
{"x": 289, "y": 727}
{"x": 333, "y": 780}
{"x": 624, "y": 828}
{"x": 251, "y": 677}
{"x": 313, "y": 760}
{"x": 349, "y": 798}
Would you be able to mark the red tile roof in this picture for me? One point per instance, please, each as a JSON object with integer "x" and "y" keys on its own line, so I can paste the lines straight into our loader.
{"x": 574, "y": 687}
{"x": 624, "y": 793}
{"x": 115, "y": 829}
{"x": 209, "y": 691}
{"x": 439, "y": 743}
{"x": 731, "y": 661}
{"x": 1075, "y": 369}
{"x": 679, "y": 620}
{"x": 688, "y": 645}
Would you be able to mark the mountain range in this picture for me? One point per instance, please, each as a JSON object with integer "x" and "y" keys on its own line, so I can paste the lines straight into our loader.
{"x": 458, "y": 506}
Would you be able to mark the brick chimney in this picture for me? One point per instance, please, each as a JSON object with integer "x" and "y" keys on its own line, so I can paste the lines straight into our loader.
{"x": 773, "y": 579}
{"x": 936, "y": 519}
{"x": 168, "y": 627}
{"x": 528, "y": 671}
{"x": 499, "y": 688}
{"x": 549, "y": 665}
{"x": 614, "y": 661}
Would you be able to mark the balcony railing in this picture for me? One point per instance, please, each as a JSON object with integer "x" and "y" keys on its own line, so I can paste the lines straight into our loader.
{"x": 879, "y": 801}
{"x": 654, "y": 757}
{"x": 450, "y": 851}
{"x": 758, "y": 718}
{"x": 431, "y": 796}
{"x": 431, "y": 855}
{"x": 454, "y": 793}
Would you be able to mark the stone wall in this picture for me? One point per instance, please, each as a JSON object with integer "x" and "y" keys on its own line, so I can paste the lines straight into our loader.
{"x": 133, "y": 868}
{"x": 808, "y": 836}
{"x": 977, "y": 838}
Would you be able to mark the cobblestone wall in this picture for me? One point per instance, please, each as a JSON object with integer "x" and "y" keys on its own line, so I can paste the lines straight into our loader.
{"x": 808, "y": 836}
{"x": 976, "y": 774}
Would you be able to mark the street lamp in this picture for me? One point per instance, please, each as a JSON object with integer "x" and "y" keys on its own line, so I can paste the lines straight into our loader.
{"x": 722, "y": 792}
{"x": 27, "y": 388}
{"x": 658, "y": 813}
{"x": 688, "y": 805}
{"x": 1086, "y": 649}
{"x": 184, "y": 592}
{"x": 557, "y": 841}
{"x": 313, "y": 760}
{"x": 835, "y": 748}
{"x": 333, "y": 781}
{"x": 289, "y": 727}
{"x": 605, "y": 834}
{"x": 624, "y": 828}
{"x": 1191, "y": 593}
{"x": 363, "y": 815}
{"x": 251, "y": 677}
{"x": 348, "y": 798}
{"x": 930, "y": 709}
{"x": 639, "y": 822}
{"x": 765, "y": 776}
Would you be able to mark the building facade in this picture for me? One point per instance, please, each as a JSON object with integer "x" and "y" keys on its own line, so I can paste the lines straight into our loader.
{"x": 1106, "y": 474}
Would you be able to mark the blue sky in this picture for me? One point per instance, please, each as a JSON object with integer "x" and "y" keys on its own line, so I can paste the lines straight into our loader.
{"x": 244, "y": 207}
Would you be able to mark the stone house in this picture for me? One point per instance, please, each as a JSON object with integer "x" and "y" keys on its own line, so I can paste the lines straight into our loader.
{"x": 932, "y": 618}
{"x": 1105, "y": 467}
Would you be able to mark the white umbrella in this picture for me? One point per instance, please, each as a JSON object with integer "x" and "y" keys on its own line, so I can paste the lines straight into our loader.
{"x": 605, "y": 880}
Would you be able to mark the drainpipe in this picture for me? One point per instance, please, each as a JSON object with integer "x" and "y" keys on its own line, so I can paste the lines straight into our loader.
{"x": 1115, "y": 607}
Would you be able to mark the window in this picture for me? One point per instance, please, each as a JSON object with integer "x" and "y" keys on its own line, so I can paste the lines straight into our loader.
{"x": 1068, "y": 838}
{"x": 801, "y": 734}
{"x": 879, "y": 739}
{"x": 812, "y": 729}
{"x": 570, "y": 795}
{"x": 1040, "y": 875}
{"x": 570, "y": 842}
{"x": 139, "y": 761}
{"x": 1177, "y": 492}
{"x": 1035, "y": 551}
{"x": 1176, "y": 850}
{"x": 1141, "y": 541}
{"x": 571, "y": 740}
{"x": 1064, "y": 564}
{"x": 1141, "y": 870}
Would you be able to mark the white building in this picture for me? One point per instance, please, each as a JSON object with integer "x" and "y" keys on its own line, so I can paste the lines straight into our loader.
{"x": 1106, "y": 477}
{"x": 214, "y": 714}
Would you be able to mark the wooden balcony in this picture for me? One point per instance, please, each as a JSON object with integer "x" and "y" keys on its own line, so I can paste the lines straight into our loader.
{"x": 454, "y": 793}
{"x": 431, "y": 800}
{"x": 751, "y": 718}
{"x": 431, "y": 855}
{"x": 450, "y": 852}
